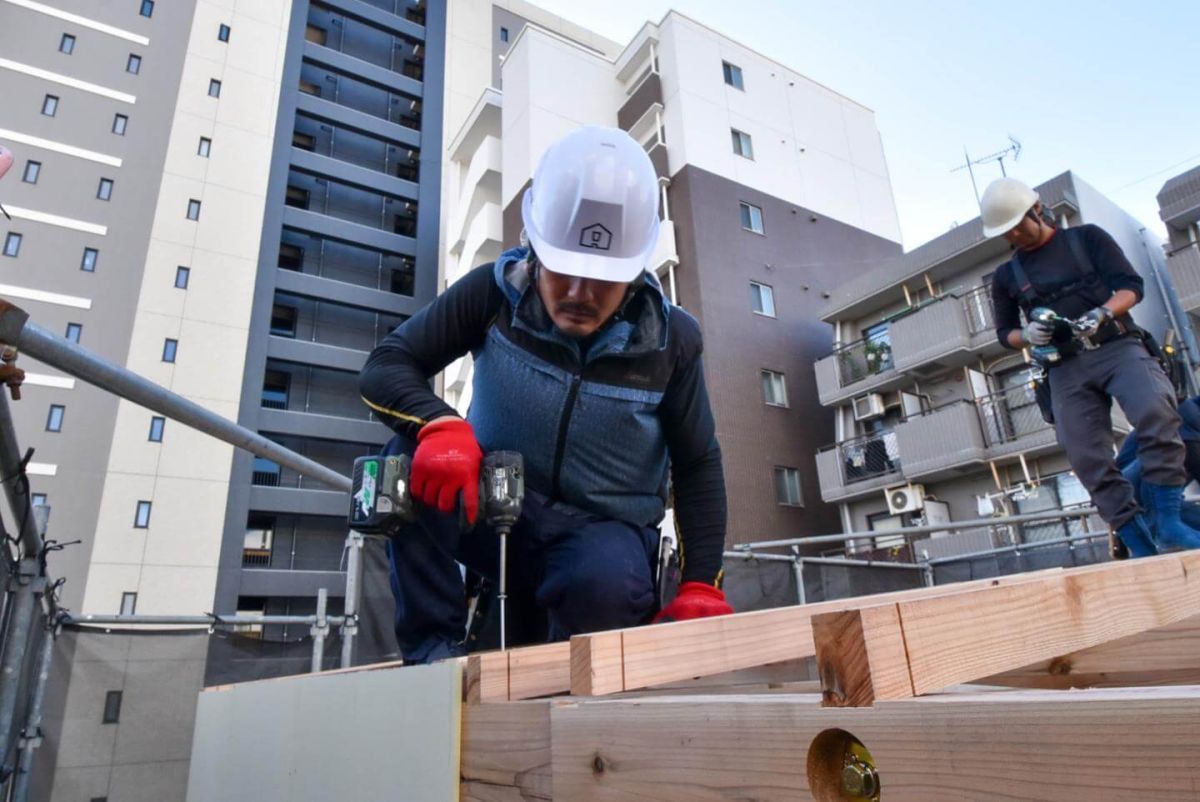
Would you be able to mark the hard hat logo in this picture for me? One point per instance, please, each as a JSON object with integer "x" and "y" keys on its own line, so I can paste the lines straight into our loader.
{"x": 596, "y": 236}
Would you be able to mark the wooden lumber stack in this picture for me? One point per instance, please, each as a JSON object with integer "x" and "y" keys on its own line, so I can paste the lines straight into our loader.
{"x": 1061, "y": 684}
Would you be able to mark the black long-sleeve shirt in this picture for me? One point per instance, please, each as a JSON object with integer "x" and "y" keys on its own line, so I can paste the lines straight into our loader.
{"x": 1053, "y": 266}
{"x": 395, "y": 383}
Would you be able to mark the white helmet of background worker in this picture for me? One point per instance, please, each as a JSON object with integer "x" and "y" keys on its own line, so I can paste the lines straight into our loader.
{"x": 592, "y": 211}
{"x": 1005, "y": 202}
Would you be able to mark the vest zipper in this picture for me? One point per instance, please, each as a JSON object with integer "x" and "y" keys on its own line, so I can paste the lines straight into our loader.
{"x": 563, "y": 423}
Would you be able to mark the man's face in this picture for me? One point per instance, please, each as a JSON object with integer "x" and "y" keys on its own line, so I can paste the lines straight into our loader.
{"x": 1028, "y": 233}
{"x": 579, "y": 306}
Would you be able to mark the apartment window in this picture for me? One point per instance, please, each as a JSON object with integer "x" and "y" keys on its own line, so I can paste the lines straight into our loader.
{"x": 156, "y": 429}
{"x": 774, "y": 389}
{"x": 205, "y": 147}
{"x": 214, "y": 88}
{"x": 119, "y": 123}
{"x": 12, "y": 244}
{"x": 223, "y": 33}
{"x": 787, "y": 487}
{"x": 88, "y": 263}
{"x": 283, "y": 320}
{"x": 50, "y": 105}
{"x": 742, "y": 145}
{"x": 733, "y": 75}
{"x": 141, "y": 518}
{"x": 297, "y": 197}
{"x": 193, "y": 212}
{"x": 134, "y": 64}
{"x": 74, "y": 332}
{"x": 32, "y": 171}
{"x": 170, "y": 348}
{"x": 402, "y": 281}
{"x": 181, "y": 277}
{"x": 66, "y": 44}
{"x": 104, "y": 191}
{"x": 751, "y": 218}
{"x": 291, "y": 257}
{"x": 38, "y": 499}
{"x": 112, "y": 699}
{"x": 275, "y": 389}
{"x": 54, "y": 420}
{"x": 304, "y": 141}
{"x": 147, "y": 8}
{"x": 128, "y": 603}
{"x": 316, "y": 34}
{"x": 310, "y": 88}
{"x": 504, "y": 34}
{"x": 762, "y": 299}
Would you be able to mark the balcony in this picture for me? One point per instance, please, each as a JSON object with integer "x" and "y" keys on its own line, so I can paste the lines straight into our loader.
{"x": 1184, "y": 268}
{"x": 482, "y": 174}
{"x": 856, "y": 368}
{"x": 946, "y": 333}
{"x": 859, "y": 466}
{"x": 484, "y": 237}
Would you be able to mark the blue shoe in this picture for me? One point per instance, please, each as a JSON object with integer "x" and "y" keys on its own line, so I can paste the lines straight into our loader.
{"x": 1135, "y": 534}
{"x": 1163, "y": 505}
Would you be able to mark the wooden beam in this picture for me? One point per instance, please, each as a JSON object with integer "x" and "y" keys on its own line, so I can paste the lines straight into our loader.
{"x": 506, "y": 752}
{"x": 665, "y": 653}
{"x": 964, "y": 637}
{"x": 486, "y": 678}
{"x": 1042, "y": 746}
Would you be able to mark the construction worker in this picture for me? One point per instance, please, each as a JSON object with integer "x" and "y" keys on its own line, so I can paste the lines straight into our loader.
{"x": 1189, "y": 432}
{"x": 582, "y": 366}
{"x": 1081, "y": 274}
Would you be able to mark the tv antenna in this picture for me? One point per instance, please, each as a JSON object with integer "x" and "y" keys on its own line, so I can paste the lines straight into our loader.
{"x": 1013, "y": 149}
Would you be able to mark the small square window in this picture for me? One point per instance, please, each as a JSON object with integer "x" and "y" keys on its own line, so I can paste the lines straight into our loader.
{"x": 74, "y": 332}
{"x": 12, "y": 244}
{"x": 283, "y": 320}
{"x": 66, "y": 44}
{"x": 170, "y": 348}
{"x": 54, "y": 421}
{"x": 156, "y": 429}
{"x": 733, "y": 75}
{"x": 147, "y": 8}
{"x": 504, "y": 34}
{"x": 304, "y": 141}
{"x": 742, "y": 144}
{"x": 120, "y": 121}
{"x": 762, "y": 299}
{"x": 141, "y": 518}
{"x": 88, "y": 263}
{"x": 193, "y": 212}
{"x": 291, "y": 257}
{"x": 223, "y": 33}
{"x": 50, "y": 105}
{"x": 104, "y": 191}
{"x": 774, "y": 389}
{"x": 205, "y": 147}
{"x": 134, "y": 64}
{"x": 32, "y": 170}
{"x": 181, "y": 277}
{"x": 751, "y": 218}
{"x": 214, "y": 88}
{"x": 38, "y": 499}
{"x": 787, "y": 487}
{"x": 112, "y": 699}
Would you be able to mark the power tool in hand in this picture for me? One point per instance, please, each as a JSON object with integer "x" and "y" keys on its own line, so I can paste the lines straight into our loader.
{"x": 381, "y": 501}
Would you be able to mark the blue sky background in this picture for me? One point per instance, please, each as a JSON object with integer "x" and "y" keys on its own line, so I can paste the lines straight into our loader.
{"x": 1108, "y": 89}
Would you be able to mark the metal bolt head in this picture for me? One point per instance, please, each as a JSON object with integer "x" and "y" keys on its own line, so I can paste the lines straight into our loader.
{"x": 859, "y": 780}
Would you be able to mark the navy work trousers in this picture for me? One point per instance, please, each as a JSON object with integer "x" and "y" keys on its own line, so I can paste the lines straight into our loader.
{"x": 587, "y": 573}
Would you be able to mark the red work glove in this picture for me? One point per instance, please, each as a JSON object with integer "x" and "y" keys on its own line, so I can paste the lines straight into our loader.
{"x": 445, "y": 464}
{"x": 694, "y": 600}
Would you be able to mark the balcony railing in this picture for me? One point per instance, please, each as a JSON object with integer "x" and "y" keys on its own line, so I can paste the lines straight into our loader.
{"x": 868, "y": 457}
{"x": 977, "y": 304}
{"x": 265, "y": 478}
{"x": 256, "y": 558}
{"x": 863, "y": 358}
{"x": 1009, "y": 415}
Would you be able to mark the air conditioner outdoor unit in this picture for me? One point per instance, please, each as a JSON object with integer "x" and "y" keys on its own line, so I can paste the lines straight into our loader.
{"x": 868, "y": 406}
{"x": 908, "y": 498}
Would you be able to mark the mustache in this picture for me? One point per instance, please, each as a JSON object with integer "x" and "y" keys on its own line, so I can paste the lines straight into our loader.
{"x": 576, "y": 308}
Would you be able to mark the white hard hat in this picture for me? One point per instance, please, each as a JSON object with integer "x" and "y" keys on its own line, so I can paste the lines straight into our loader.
{"x": 1005, "y": 202}
{"x": 593, "y": 208}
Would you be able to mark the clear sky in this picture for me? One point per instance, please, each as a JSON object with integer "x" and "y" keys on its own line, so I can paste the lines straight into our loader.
{"x": 1110, "y": 90}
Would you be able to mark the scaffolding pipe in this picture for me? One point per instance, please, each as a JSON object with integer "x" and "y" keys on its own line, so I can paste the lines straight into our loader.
{"x": 194, "y": 620}
{"x": 31, "y": 737}
{"x": 16, "y": 644}
{"x": 15, "y": 487}
{"x": 949, "y": 526}
{"x": 318, "y": 631}
{"x": 16, "y": 329}
{"x": 354, "y": 542}
{"x": 798, "y": 571}
{"x": 1030, "y": 546}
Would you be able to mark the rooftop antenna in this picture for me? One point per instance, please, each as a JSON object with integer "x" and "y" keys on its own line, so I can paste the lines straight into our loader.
{"x": 1013, "y": 149}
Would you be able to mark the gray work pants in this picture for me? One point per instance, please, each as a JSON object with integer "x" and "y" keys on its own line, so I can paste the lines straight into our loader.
{"x": 1081, "y": 391}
